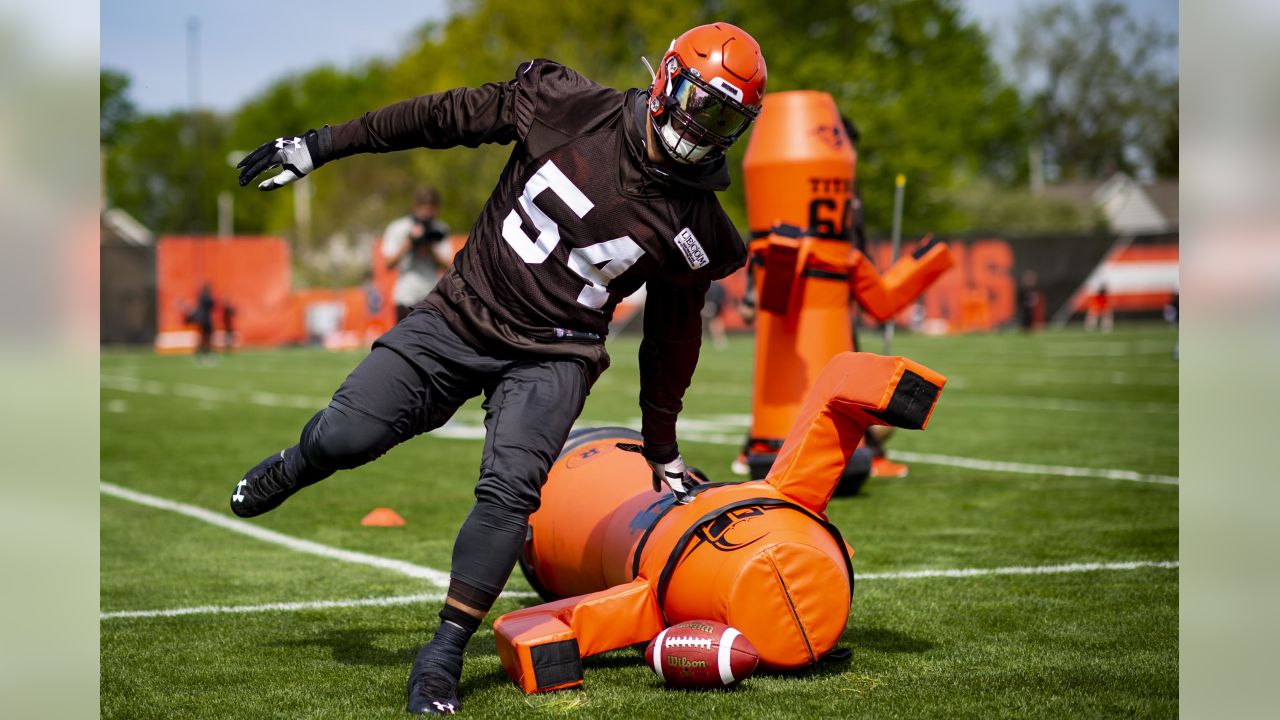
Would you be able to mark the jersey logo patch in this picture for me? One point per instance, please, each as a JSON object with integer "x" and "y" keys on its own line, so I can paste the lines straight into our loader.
{"x": 692, "y": 249}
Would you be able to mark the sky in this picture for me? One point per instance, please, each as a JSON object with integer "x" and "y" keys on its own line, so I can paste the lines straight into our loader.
{"x": 244, "y": 45}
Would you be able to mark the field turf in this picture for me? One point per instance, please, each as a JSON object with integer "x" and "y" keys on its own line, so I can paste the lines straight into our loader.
{"x": 1060, "y": 642}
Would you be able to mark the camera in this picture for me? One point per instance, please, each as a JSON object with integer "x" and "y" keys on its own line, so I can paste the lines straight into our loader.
{"x": 425, "y": 233}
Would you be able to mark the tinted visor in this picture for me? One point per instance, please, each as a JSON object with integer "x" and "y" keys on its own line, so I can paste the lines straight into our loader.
{"x": 723, "y": 120}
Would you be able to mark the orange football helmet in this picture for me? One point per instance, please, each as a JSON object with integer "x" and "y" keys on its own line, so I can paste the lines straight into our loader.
{"x": 707, "y": 91}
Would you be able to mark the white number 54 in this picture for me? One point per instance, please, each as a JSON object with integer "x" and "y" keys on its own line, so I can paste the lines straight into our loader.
{"x": 597, "y": 264}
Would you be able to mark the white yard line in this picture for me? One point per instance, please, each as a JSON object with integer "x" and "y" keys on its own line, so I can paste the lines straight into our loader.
{"x": 1018, "y": 570}
{"x": 1028, "y": 468}
{"x": 437, "y": 597}
{"x": 1109, "y": 349}
{"x": 726, "y": 429}
{"x": 209, "y": 393}
{"x": 276, "y": 607}
{"x": 721, "y": 422}
{"x": 1020, "y": 402}
{"x": 1094, "y": 379}
{"x": 431, "y": 575}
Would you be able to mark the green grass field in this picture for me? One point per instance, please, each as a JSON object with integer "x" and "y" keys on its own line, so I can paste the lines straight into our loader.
{"x": 1067, "y": 642}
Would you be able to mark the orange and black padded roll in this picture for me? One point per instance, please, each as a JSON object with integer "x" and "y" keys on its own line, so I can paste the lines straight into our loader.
{"x": 759, "y": 556}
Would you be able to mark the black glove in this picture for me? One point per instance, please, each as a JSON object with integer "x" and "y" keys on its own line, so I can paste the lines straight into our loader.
{"x": 668, "y": 470}
{"x": 297, "y": 155}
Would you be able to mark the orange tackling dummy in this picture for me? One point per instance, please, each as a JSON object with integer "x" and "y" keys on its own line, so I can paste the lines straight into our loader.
{"x": 759, "y": 556}
{"x": 799, "y": 170}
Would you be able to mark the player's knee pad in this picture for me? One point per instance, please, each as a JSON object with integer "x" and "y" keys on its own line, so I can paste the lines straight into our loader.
{"x": 338, "y": 438}
{"x": 514, "y": 494}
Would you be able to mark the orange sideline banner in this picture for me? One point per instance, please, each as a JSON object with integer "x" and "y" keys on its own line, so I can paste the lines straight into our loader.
{"x": 252, "y": 273}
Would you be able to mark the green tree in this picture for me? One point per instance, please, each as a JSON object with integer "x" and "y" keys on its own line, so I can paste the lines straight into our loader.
{"x": 916, "y": 77}
{"x": 166, "y": 171}
{"x": 914, "y": 74}
{"x": 115, "y": 109}
{"x": 1166, "y": 154}
{"x": 1101, "y": 87}
{"x": 918, "y": 80}
{"x": 349, "y": 197}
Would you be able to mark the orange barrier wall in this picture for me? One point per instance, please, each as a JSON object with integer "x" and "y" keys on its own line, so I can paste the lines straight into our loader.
{"x": 980, "y": 292}
{"x": 253, "y": 272}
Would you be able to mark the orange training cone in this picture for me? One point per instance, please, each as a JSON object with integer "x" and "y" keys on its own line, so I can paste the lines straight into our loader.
{"x": 382, "y": 517}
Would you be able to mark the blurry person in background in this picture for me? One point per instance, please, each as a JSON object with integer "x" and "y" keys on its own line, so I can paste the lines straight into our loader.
{"x": 712, "y": 315}
{"x": 228, "y": 325}
{"x": 201, "y": 315}
{"x": 418, "y": 246}
{"x": 1171, "y": 309}
{"x": 1030, "y": 314}
{"x": 1171, "y": 317}
{"x": 372, "y": 308}
{"x": 1098, "y": 312}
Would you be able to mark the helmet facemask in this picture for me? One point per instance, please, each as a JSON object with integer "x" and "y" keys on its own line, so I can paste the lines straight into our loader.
{"x": 696, "y": 120}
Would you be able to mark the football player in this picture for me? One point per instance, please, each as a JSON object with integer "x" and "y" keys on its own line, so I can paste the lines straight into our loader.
{"x": 604, "y": 191}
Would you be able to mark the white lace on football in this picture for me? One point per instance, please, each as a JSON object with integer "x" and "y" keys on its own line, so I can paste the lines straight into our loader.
{"x": 686, "y": 641}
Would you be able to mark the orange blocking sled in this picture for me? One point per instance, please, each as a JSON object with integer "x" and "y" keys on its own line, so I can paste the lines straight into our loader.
{"x": 759, "y": 556}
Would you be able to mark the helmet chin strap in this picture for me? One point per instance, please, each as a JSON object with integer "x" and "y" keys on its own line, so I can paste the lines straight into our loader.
{"x": 652, "y": 75}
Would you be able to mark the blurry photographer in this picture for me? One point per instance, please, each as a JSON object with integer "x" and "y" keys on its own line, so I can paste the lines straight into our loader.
{"x": 418, "y": 246}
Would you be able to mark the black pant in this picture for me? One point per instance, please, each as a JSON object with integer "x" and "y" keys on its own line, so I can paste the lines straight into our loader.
{"x": 413, "y": 381}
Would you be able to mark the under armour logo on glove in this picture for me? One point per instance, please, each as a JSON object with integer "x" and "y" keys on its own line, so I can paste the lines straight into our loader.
{"x": 292, "y": 153}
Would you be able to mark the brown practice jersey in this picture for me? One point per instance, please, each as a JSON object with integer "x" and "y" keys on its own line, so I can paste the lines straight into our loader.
{"x": 579, "y": 220}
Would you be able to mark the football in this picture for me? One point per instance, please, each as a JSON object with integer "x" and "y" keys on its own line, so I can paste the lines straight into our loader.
{"x": 701, "y": 654}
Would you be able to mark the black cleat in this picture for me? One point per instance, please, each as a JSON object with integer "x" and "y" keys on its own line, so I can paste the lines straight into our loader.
{"x": 265, "y": 487}
{"x": 431, "y": 692}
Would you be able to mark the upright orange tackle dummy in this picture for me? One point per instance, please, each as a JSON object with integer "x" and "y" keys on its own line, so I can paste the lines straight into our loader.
{"x": 799, "y": 171}
{"x": 759, "y": 556}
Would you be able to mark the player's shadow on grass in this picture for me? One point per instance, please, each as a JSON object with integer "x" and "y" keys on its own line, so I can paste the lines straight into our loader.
{"x": 361, "y": 646}
{"x": 854, "y": 641}
{"x": 861, "y": 637}
{"x": 357, "y": 646}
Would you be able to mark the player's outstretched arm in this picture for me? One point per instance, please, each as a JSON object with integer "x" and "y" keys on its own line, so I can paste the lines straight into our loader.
{"x": 668, "y": 357}
{"x": 462, "y": 116}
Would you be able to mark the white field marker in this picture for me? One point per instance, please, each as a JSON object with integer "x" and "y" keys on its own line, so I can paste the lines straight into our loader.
{"x": 431, "y": 575}
{"x": 721, "y": 430}
{"x": 1028, "y": 468}
{"x": 438, "y": 597}
{"x": 1018, "y": 570}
